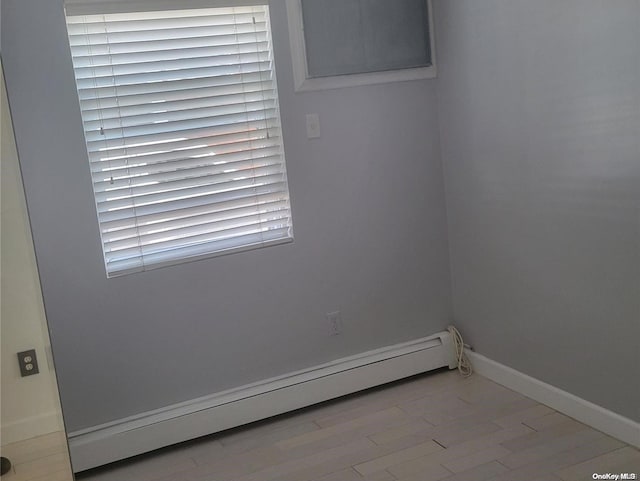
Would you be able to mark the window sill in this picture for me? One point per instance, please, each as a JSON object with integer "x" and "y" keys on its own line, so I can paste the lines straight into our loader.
{"x": 356, "y": 80}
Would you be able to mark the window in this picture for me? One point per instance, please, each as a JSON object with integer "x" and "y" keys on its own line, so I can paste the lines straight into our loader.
{"x": 181, "y": 120}
{"x": 341, "y": 43}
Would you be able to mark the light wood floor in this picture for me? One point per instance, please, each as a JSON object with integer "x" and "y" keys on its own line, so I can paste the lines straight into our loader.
{"x": 437, "y": 426}
{"x": 43, "y": 458}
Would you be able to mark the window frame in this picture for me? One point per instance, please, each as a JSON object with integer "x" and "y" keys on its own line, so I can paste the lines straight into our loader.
{"x": 89, "y": 7}
{"x": 304, "y": 83}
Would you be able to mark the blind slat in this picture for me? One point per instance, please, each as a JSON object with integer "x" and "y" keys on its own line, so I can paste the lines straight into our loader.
{"x": 128, "y": 181}
{"x": 152, "y": 130}
{"x": 186, "y": 110}
{"x": 225, "y": 95}
{"x": 181, "y": 89}
{"x": 184, "y": 215}
{"x": 224, "y": 65}
{"x": 104, "y": 39}
{"x": 177, "y": 58}
{"x": 158, "y": 199}
{"x": 184, "y": 159}
{"x": 168, "y": 236}
{"x": 123, "y": 90}
{"x": 181, "y": 122}
{"x": 107, "y": 214}
{"x": 181, "y": 206}
{"x": 169, "y": 223}
{"x": 173, "y": 66}
{"x": 215, "y": 135}
{"x": 126, "y": 158}
{"x": 213, "y": 21}
{"x": 191, "y": 238}
{"x": 86, "y": 45}
{"x": 184, "y": 186}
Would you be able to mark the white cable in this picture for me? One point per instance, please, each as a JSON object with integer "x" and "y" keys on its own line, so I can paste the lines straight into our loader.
{"x": 464, "y": 365}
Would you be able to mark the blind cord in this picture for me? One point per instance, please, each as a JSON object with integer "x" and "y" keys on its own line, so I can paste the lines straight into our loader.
{"x": 464, "y": 365}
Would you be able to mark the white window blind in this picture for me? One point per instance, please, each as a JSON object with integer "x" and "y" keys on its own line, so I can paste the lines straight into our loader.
{"x": 182, "y": 127}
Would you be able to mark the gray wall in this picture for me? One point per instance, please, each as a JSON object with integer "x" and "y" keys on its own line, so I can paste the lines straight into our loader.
{"x": 370, "y": 240}
{"x": 539, "y": 105}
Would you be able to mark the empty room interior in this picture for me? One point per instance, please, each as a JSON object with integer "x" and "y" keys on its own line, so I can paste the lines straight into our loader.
{"x": 320, "y": 240}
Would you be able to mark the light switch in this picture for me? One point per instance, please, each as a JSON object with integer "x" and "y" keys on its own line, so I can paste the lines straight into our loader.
{"x": 313, "y": 126}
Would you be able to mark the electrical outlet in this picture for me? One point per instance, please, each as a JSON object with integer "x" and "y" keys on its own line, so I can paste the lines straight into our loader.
{"x": 335, "y": 322}
{"x": 28, "y": 363}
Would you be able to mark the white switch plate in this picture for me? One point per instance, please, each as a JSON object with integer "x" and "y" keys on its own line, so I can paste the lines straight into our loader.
{"x": 335, "y": 322}
{"x": 313, "y": 126}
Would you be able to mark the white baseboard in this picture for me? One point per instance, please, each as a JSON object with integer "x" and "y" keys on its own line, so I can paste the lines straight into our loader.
{"x": 198, "y": 417}
{"x": 584, "y": 411}
{"x": 31, "y": 427}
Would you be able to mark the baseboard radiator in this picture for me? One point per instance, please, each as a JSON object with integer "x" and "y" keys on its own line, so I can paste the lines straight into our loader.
{"x": 146, "y": 432}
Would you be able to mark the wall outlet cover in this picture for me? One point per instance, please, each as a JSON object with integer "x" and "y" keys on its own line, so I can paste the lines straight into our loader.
{"x": 28, "y": 363}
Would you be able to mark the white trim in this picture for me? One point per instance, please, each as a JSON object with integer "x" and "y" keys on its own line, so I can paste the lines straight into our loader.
{"x": 31, "y": 427}
{"x": 584, "y": 411}
{"x": 93, "y": 7}
{"x": 145, "y": 432}
{"x": 303, "y": 83}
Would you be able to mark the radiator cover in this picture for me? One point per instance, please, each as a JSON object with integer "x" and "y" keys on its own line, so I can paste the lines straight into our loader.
{"x": 145, "y": 432}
